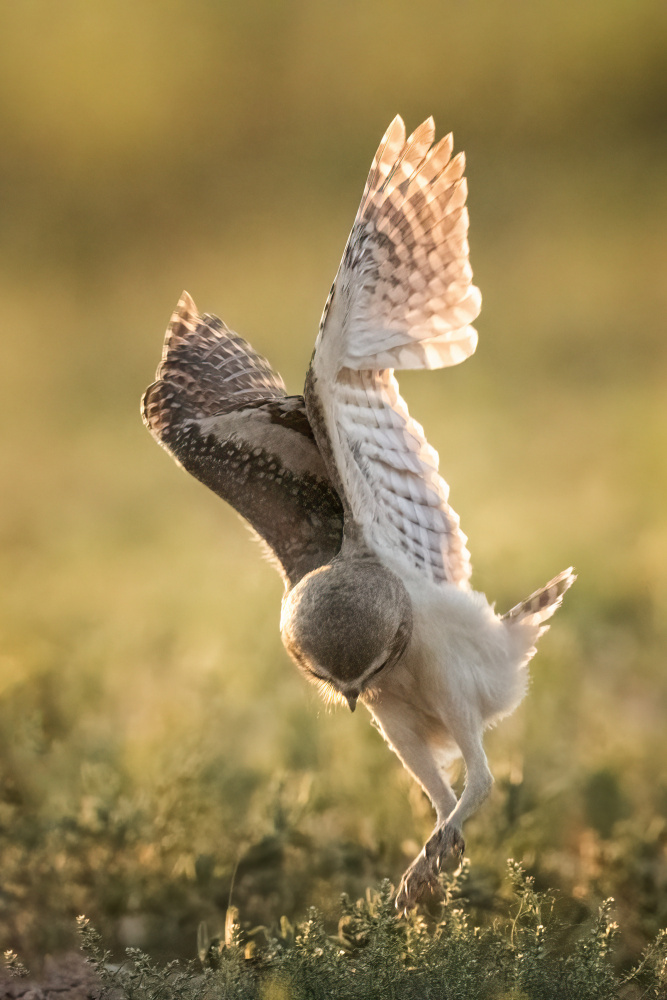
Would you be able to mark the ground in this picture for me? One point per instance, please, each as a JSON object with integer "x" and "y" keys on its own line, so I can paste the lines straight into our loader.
{"x": 65, "y": 978}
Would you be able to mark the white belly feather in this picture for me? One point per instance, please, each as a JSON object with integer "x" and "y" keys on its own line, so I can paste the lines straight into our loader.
{"x": 464, "y": 664}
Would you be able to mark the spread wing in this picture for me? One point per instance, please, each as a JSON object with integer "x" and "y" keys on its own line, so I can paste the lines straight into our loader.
{"x": 403, "y": 298}
{"x": 224, "y": 415}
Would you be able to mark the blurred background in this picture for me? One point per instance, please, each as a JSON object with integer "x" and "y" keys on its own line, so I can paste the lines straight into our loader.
{"x": 159, "y": 753}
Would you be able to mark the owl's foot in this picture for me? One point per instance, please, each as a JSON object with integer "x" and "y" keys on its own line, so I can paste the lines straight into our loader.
{"x": 446, "y": 844}
{"x": 420, "y": 876}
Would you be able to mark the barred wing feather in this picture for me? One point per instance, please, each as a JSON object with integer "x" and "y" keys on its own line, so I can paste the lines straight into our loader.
{"x": 223, "y": 413}
{"x": 403, "y": 298}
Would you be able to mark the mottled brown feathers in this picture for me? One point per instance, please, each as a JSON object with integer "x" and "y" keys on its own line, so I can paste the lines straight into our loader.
{"x": 219, "y": 408}
{"x": 211, "y": 369}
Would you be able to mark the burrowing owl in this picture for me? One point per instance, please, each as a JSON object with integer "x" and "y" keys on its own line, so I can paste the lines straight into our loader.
{"x": 345, "y": 490}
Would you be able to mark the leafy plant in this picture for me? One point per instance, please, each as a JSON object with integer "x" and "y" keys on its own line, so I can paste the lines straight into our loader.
{"x": 375, "y": 953}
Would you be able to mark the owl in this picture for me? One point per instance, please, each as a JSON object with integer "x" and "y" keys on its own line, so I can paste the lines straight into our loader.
{"x": 344, "y": 490}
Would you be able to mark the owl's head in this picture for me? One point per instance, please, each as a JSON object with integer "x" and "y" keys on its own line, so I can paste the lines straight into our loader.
{"x": 346, "y": 623}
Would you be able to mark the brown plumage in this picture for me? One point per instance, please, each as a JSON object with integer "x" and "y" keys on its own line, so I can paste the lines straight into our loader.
{"x": 224, "y": 415}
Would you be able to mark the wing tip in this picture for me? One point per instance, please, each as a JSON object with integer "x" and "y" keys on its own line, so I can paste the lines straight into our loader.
{"x": 425, "y": 132}
{"x": 395, "y": 124}
{"x": 183, "y": 323}
{"x": 186, "y": 311}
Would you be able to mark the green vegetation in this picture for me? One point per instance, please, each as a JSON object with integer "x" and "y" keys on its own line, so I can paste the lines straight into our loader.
{"x": 159, "y": 755}
{"x": 376, "y": 954}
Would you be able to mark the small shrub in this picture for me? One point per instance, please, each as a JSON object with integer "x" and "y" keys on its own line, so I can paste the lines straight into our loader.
{"x": 377, "y": 954}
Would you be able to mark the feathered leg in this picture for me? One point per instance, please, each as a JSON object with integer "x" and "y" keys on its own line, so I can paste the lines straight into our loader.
{"x": 407, "y": 731}
{"x": 403, "y": 727}
{"x": 447, "y": 841}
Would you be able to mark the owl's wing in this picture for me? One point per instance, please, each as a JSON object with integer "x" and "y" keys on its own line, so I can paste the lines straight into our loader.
{"x": 223, "y": 414}
{"x": 403, "y": 298}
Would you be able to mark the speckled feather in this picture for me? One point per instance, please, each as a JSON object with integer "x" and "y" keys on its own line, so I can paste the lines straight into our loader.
{"x": 404, "y": 286}
{"x": 223, "y": 413}
{"x": 543, "y": 603}
{"x": 403, "y": 298}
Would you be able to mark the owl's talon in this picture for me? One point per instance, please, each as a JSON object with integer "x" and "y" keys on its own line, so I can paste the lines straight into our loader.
{"x": 445, "y": 842}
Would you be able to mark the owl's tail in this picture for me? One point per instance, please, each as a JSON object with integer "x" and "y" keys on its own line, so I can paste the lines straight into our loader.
{"x": 540, "y": 606}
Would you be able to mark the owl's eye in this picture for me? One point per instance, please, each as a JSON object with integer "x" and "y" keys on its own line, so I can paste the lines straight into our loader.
{"x": 378, "y": 669}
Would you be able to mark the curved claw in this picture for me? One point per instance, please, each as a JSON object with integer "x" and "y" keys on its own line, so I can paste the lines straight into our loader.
{"x": 446, "y": 841}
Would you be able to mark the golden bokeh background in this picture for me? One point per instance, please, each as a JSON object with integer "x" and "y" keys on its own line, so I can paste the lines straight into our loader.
{"x": 158, "y": 748}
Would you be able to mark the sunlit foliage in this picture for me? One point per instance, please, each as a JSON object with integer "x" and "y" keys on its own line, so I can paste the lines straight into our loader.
{"x": 376, "y": 954}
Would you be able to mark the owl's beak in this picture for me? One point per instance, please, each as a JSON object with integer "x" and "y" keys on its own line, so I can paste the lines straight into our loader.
{"x": 352, "y": 701}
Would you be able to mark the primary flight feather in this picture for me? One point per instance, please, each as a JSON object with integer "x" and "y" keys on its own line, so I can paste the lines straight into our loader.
{"x": 344, "y": 489}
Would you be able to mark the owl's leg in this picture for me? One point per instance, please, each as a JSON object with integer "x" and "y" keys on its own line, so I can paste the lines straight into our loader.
{"x": 407, "y": 731}
{"x": 479, "y": 780}
{"x": 447, "y": 841}
{"x": 403, "y": 727}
